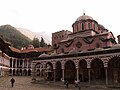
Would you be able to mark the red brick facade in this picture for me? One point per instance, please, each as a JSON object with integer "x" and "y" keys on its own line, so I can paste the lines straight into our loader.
{"x": 87, "y": 35}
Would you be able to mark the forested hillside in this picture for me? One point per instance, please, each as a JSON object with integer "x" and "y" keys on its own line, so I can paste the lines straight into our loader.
{"x": 12, "y": 35}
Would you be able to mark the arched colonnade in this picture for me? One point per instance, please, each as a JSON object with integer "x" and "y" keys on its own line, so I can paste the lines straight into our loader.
{"x": 20, "y": 72}
{"x": 87, "y": 69}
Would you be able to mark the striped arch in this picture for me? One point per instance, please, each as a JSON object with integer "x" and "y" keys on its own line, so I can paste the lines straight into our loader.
{"x": 47, "y": 65}
{"x": 74, "y": 61}
{"x": 70, "y": 71}
{"x": 58, "y": 71}
{"x": 38, "y": 66}
{"x": 104, "y": 60}
{"x": 38, "y": 69}
{"x": 97, "y": 69}
{"x": 114, "y": 69}
{"x": 83, "y": 70}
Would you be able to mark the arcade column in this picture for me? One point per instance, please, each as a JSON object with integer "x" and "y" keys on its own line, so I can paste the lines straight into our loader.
{"x": 78, "y": 74}
{"x": 63, "y": 75}
{"x": 54, "y": 74}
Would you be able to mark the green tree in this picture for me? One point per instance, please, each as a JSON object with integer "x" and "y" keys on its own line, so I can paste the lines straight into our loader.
{"x": 42, "y": 42}
{"x": 36, "y": 42}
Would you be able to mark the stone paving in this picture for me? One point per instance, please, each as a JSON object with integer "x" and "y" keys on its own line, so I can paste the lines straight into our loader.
{"x": 24, "y": 83}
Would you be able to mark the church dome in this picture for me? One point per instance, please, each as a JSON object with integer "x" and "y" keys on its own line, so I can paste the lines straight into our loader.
{"x": 100, "y": 25}
{"x": 43, "y": 55}
{"x": 84, "y": 17}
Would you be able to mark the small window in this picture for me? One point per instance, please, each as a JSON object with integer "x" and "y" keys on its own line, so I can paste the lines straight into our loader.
{"x": 83, "y": 26}
{"x": 98, "y": 28}
{"x": 89, "y": 26}
{"x": 62, "y": 50}
{"x": 76, "y": 27}
{"x": 94, "y": 26}
{"x": 60, "y": 37}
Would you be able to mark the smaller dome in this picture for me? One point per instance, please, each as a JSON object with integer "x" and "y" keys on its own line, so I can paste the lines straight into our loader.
{"x": 84, "y": 17}
{"x": 101, "y": 26}
{"x": 43, "y": 55}
{"x": 73, "y": 51}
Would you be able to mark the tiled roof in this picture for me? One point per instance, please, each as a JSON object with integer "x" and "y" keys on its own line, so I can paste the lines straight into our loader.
{"x": 14, "y": 49}
{"x": 43, "y": 49}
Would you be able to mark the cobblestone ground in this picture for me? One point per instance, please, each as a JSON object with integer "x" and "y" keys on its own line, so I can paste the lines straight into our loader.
{"x": 24, "y": 83}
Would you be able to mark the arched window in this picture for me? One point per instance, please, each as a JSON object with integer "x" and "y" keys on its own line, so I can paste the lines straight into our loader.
{"x": 83, "y": 27}
{"x": 89, "y": 26}
{"x": 94, "y": 26}
{"x": 77, "y": 27}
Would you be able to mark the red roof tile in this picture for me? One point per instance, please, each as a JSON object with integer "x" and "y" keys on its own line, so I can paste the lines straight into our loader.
{"x": 43, "y": 49}
{"x": 14, "y": 49}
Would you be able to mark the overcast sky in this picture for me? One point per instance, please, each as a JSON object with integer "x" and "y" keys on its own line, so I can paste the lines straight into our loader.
{"x": 54, "y": 15}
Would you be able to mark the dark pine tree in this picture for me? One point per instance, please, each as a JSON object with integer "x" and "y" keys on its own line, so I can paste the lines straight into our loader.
{"x": 42, "y": 42}
{"x": 36, "y": 42}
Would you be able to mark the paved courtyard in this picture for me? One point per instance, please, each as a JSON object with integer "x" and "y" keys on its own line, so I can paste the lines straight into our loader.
{"x": 24, "y": 83}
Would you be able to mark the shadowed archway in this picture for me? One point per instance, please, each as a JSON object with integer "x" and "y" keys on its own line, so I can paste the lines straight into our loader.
{"x": 10, "y": 72}
{"x": 97, "y": 71}
{"x": 29, "y": 72}
{"x": 38, "y": 72}
{"x": 114, "y": 70}
{"x": 13, "y": 72}
{"x": 58, "y": 71}
{"x": 83, "y": 71}
{"x": 25, "y": 72}
{"x": 70, "y": 71}
{"x": 21, "y": 72}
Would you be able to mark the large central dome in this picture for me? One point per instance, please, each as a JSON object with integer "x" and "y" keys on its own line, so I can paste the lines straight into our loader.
{"x": 84, "y": 17}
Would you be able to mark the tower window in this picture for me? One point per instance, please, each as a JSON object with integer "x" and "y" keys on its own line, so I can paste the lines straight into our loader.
{"x": 83, "y": 27}
{"x": 88, "y": 25}
{"x": 94, "y": 26}
{"x": 62, "y": 50}
{"x": 77, "y": 27}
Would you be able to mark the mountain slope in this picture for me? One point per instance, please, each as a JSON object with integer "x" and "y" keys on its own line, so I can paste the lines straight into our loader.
{"x": 38, "y": 35}
{"x": 12, "y": 35}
